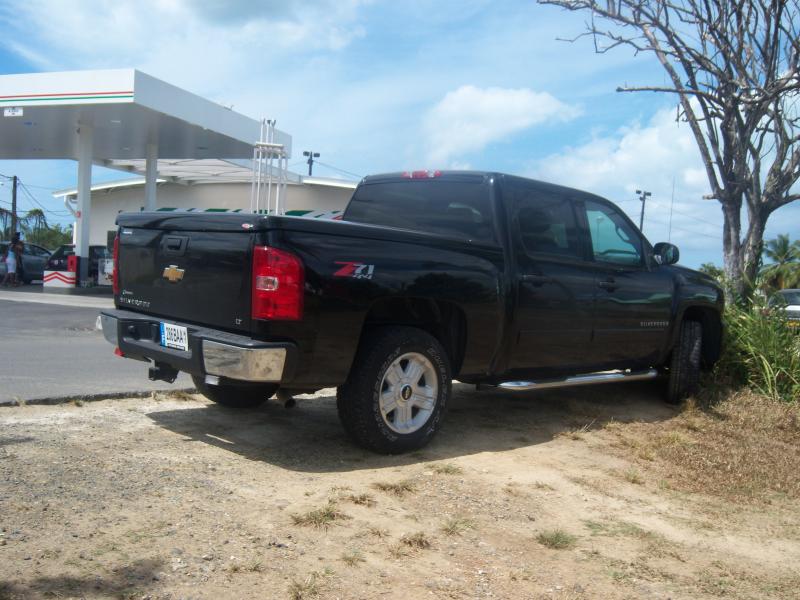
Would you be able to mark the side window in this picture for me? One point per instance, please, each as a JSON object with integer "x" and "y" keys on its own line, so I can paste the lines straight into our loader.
{"x": 546, "y": 223}
{"x": 613, "y": 239}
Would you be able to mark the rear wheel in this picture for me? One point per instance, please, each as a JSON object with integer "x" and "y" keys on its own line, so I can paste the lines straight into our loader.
{"x": 397, "y": 391}
{"x": 236, "y": 395}
{"x": 684, "y": 366}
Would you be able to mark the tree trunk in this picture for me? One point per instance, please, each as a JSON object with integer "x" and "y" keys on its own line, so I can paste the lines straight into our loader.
{"x": 751, "y": 250}
{"x": 731, "y": 246}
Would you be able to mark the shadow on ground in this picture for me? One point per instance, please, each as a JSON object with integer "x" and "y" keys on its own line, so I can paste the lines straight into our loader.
{"x": 309, "y": 437}
{"x": 128, "y": 581}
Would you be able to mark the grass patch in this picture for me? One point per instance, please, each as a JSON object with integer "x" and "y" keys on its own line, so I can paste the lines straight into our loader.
{"x": 362, "y": 499}
{"x": 378, "y": 532}
{"x": 457, "y": 525}
{"x": 418, "y": 541}
{"x": 556, "y": 539}
{"x": 541, "y": 485}
{"x": 578, "y": 432}
{"x": 447, "y": 469}
{"x": 321, "y": 518}
{"x": 633, "y": 476}
{"x": 352, "y": 558}
{"x": 400, "y": 488}
{"x": 302, "y": 590}
{"x": 744, "y": 448}
{"x": 761, "y": 350}
{"x": 398, "y": 551}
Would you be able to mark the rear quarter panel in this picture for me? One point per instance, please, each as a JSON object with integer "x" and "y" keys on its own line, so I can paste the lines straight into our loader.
{"x": 349, "y": 267}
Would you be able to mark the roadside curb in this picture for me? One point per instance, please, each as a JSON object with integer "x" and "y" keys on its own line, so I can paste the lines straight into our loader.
{"x": 91, "y": 397}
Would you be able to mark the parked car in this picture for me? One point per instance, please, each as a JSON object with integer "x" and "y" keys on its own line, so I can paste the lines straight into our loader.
{"x": 34, "y": 259}
{"x": 431, "y": 276}
{"x": 58, "y": 260}
{"x": 789, "y": 302}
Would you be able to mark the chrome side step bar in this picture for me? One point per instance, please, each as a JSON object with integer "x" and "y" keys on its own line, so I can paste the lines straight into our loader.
{"x": 588, "y": 379}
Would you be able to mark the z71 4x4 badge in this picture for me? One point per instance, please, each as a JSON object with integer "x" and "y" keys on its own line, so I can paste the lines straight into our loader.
{"x": 355, "y": 270}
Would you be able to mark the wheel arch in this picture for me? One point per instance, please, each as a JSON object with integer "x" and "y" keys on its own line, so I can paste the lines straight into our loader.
{"x": 444, "y": 320}
{"x": 711, "y": 322}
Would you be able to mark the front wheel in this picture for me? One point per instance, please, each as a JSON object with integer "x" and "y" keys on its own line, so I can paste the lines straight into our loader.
{"x": 397, "y": 391}
{"x": 235, "y": 395}
{"x": 684, "y": 366}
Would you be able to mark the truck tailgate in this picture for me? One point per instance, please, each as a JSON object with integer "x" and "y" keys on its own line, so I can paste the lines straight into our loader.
{"x": 194, "y": 276}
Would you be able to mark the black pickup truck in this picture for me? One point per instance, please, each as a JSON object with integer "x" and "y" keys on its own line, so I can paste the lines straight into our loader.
{"x": 430, "y": 276}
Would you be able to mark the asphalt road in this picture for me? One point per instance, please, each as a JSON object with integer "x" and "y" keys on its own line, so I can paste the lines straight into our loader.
{"x": 50, "y": 351}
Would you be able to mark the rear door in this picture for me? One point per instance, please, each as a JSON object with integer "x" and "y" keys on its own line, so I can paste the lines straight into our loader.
{"x": 195, "y": 276}
{"x": 555, "y": 285}
{"x": 633, "y": 302}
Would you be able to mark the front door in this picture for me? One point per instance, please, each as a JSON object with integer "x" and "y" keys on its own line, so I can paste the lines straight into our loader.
{"x": 633, "y": 298}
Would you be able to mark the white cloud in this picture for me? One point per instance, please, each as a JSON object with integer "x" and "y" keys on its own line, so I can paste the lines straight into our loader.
{"x": 184, "y": 39}
{"x": 469, "y": 118}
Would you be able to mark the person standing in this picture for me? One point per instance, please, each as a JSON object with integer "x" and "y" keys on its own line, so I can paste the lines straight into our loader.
{"x": 10, "y": 259}
{"x": 19, "y": 250}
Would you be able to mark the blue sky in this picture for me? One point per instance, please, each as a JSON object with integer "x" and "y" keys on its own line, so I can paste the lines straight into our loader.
{"x": 383, "y": 86}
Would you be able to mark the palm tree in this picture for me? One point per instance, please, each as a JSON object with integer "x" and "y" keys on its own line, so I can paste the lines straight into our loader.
{"x": 785, "y": 266}
{"x": 33, "y": 224}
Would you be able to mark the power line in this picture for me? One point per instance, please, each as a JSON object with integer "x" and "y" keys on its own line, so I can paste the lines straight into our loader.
{"x": 31, "y": 197}
{"x": 338, "y": 169}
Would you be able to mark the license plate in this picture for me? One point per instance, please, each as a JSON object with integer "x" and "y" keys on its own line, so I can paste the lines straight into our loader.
{"x": 174, "y": 336}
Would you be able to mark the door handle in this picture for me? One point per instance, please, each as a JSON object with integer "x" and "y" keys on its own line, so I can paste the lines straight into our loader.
{"x": 609, "y": 284}
{"x": 536, "y": 279}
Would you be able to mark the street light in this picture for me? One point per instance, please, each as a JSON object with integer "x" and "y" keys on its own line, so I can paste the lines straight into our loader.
{"x": 311, "y": 156}
{"x": 643, "y": 197}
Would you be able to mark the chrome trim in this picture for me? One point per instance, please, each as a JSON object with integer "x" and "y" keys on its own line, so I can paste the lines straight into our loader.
{"x": 109, "y": 327}
{"x": 588, "y": 379}
{"x": 249, "y": 364}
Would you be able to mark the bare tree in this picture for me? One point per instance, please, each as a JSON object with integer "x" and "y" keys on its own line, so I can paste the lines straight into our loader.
{"x": 735, "y": 67}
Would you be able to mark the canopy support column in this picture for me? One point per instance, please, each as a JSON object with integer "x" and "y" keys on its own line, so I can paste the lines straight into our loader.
{"x": 85, "y": 147}
{"x": 150, "y": 177}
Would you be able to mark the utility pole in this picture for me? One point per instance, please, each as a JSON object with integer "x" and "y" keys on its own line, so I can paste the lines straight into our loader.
{"x": 311, "y": 156}
{"x": 643, "y": 197}
{"x": 13, "y": 205}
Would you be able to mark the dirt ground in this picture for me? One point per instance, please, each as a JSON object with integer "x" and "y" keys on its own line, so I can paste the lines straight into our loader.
{"x": 520, "y": 496}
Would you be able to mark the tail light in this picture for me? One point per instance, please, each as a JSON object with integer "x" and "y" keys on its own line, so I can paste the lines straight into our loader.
{"x": 115, "y": 278}
{"x": 278, "y": 280}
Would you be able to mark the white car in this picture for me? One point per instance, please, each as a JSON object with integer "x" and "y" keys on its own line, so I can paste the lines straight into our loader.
{"x": 789, "y": 301}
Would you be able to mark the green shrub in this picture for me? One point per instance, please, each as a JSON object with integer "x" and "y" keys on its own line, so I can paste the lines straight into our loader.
{"x": 762, "y": 351}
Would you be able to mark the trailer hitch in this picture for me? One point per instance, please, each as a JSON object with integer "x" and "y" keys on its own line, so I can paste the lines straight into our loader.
{"x": 162, "y": 372}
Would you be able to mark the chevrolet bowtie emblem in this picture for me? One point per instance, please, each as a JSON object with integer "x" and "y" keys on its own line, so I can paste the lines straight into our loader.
{"x": 173, "y": 273}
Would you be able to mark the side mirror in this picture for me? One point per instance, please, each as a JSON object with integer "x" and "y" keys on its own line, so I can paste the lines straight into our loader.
{"x": 666, "y": 254}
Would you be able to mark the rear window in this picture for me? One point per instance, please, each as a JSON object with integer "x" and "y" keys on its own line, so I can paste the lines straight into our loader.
{"x": 449, "y": 208}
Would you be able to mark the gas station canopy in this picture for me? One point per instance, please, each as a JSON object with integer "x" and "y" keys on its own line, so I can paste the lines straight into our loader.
{"x": 127, "y": 109}
{"x": 120, "y": 118}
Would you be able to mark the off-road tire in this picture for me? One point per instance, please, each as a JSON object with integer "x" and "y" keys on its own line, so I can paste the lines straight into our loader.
{"x": 684, "y": 366}
{"x": 358, "y": 399}
{"x": 235, "y": 395}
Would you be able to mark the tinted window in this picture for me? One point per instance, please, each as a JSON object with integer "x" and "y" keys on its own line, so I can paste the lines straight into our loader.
{"x": 546, "y": 222}
{"x": 62, "y": 251}
{"x": 613, "y": 238}
{"x": 451, "y": 208}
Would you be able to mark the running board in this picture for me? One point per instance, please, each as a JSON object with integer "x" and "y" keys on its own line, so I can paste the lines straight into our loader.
{"x": 588, "y": 379}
